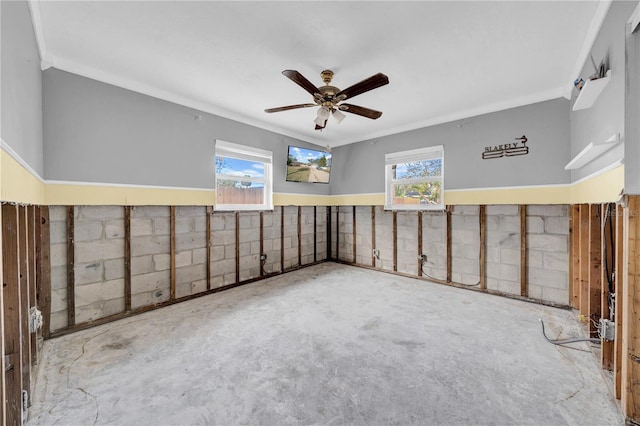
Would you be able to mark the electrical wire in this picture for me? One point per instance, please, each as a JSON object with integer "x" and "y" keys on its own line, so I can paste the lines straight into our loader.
{"x": 564, "y": 342}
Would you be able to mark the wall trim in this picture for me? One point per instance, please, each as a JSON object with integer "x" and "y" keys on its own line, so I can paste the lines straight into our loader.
{"x": 597, "y": 173}
{"x": 7, "y": 148}
{"x": 46, "y": 59}
{"x": 126, "y": 185}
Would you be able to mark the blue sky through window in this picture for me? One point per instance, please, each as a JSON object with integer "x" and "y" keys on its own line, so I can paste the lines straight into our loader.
{"x": 234, "y": 167}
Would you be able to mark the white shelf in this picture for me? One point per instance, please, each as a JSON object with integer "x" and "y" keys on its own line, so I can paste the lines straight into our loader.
{"x": 591, "y": 152}
{"x": 590, "y": 92}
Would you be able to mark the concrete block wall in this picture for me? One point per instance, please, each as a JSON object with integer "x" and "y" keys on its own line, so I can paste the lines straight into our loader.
{"x": 384, "y": 238}
{"x": 345, "y": 233}
{"x": 191, "y": 250}
{"x": 307, "y": 230}
{"x": 271, "y": 229}
{"x": 407, "y": 242}
{"x": 99, "y": 261}
{"x": 321, "y": 233}
{"x": 150, "y": 255}
{"x": 363, "y": 235}
{"x": 503, "y": 248}
{"x": 548, "y": 252}
{"x": 434, "y": 244}
{"x": 465, "y": 244}
{"x": 249, "y": 245}
{"x": 290, "y": 237}
{"x": 223, "y": 249}
{"x": 58, "y": 259}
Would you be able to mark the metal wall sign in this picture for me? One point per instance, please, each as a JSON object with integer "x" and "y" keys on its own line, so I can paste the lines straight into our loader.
{"x": 507, "y": 149}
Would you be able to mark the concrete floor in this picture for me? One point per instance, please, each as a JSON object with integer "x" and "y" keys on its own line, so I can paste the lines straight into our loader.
{"x": 329, "y": 344}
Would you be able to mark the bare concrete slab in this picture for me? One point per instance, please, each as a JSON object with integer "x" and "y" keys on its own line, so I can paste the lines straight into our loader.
{"x": 329, "y": 344}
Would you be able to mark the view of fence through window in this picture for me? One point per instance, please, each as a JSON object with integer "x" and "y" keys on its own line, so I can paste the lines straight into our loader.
{"x": 417, "y": 182}
{"x": 239, "y": 181}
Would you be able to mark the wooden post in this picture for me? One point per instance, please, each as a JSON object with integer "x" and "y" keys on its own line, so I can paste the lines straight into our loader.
{"x": 524, "y": 288}
{"x": 44, "y": 274}
{"x": 355, "y": 252}
{"x": 373, "y": 235}
{"x": 419, "y": 244}
{"x": 631, "y": 312}
{"x": 395, "y": 241}
{"x": 328, "y": 220}
{"x": 173, "y": 253}
{"x": 618, "y": 283}
{"x": 11, "y": 301}
{"x": 3, "y": 417}
{"x": 449, "y": 257}
{"x": 574, "y": 262}
{"x": 483, "y": 247}
{"x": 25, "y": 335}
{"x": 584, "y": 259}
{"x": 337, "y": 232}
{"x": 127, "y": 258}
{"x": 281, "y": 238}
{"x": 71, "y": 298}
{"x": 208, "y": 226}
{"x": 315, "y": 234}
{"x": 595, "y": 261}
{"x": 607, "y": 221}
{"x": 261, "y": 244}
{"x": 33, "y": 291}
{"x": 237, "y": 247}
{"x": 299, "y": 236}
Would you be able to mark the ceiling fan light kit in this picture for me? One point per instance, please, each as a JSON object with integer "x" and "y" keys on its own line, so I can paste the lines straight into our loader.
{"x": 328, "y": 98}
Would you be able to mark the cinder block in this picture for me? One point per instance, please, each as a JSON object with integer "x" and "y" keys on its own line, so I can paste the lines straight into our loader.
{"x": 57, "y": 213}
{"x": 58, "y": 320}
{"x": 183, "y": 258}
{"x": 99, "y": 309}
{"x": 555, "y": 295}
{"x": 503, "y": 209}
{"x": 510, "y": 224}
{"x": 548, "y": 279}
{"x": 189, "y": 274}
{"x": 90, "y": 293}
{"x": 510, "y": 287}
{"x": 230, "y": 252}
{"x": 98, "y": 250}
{"x": 200, "y": 255}
{"x": 556, "y": 225}
{"x": 184, "y": 225}
{"x": 198, "y": 286}
{"x": 535, "y": 291}
{"x": 161, "y": 262}
{"x": 223, "y": 238}
{"x": 217, "y": 253}
{"x": 548, "y": 242}
{"x": 466, "y": 210}
{"x": 150, "y": 282}
{"x": 57, "y": 232}
{"x": 245, "y": 221}
{"x": 114, "y": 229}
{"x": 548, "y": 210}
{"x": 150, "y": 211}
{"x": 193, "y": 211}
{"x": 58, "y": 255}
{"x": 141, "y": 227}
{"x": 161, "y": 226}
{"x": 534, "y": 258}
{"x": 556, "y": 261}
{"x": 100, "y": 212}
{"x": 510, "y": 256}
{"x": 501, "y": 271}
{"x": 200, "y": 223}
{"x": 223, "y": 267}
{"x": 151, "y": 244}
{"x": 500, "y": 239}
{"x": 84, "y": 230}
{"x": 190, "y": 241}
{"x": 141, "y": 265}
{"x": 149, "y": 298}
{"x": 59, "y": 277}
{"x": 59, "y": 300}
{"x": 535, "y": 225}
{"x": 86, "y": 273}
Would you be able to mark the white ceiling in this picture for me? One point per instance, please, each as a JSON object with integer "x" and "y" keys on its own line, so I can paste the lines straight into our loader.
{"x": 445, "y": 60}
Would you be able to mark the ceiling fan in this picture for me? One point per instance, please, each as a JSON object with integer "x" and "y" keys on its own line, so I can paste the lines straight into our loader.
{"x": 329, "y": 98}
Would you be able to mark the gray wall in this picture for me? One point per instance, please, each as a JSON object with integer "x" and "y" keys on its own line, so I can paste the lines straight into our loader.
{"x": 358, "y": 168}
{"x": 632, "y": 115}
{"x": 96, "y": 132}
{"x": 21, "y": 85}
{"x": 606, "y": 116}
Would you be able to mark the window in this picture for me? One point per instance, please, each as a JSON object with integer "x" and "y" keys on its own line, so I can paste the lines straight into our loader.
{"x": 243, "y": 177}
{"x": 414, "y": 179}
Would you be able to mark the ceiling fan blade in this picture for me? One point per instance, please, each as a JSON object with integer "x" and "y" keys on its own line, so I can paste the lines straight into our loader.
{"x": 365, "y": 85}
{"x": 288, "y": 107}
{"x": 365, "y": 112}
{"x": 301, "y": 81}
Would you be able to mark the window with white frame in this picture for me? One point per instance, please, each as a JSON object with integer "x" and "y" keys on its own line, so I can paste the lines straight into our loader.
{"x": 243, "y": 177}
{"x": 414, "y": 179}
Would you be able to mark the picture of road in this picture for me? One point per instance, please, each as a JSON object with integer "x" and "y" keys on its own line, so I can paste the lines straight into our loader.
{"x": 306, "y": 165}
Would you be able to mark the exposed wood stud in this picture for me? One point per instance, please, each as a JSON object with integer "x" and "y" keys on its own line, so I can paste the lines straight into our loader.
{"x": 25, "y": 338}
{"x": 11, "y": 318}
{"x": 483, "y": 246}
{"x": 281, "y": 238}
{"x": 618, "y": 286}
{"x": 208, "y": 226}
{"x": 173, "y": 252}
{"x": 355, "y": 253}
{"x": 71, "y": 298}
{"x": 261, "y": 244}
{"x": 315, "y": 234}
{"x": 524, "y": 288}
{"x": 584, "y": 259}
{"x": 373, "y": 235}
{"x": 607, "y": 237}
{"x": 395, "y": 240}
{"x": 44, "y": 267}
{"x": 595, "y": 262}
{"x": 419, "y": 244}
{"x": 574, "y": 263}
{"x": 33, "y": 291}
{"x": 449, "y": 246}
{"x": 237, "y": 247}
{"x": 127, "y": 258}
{"x": 337, "y": 232}
{"x": 328, "y": 220}
{"x": 299, "y": 236}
